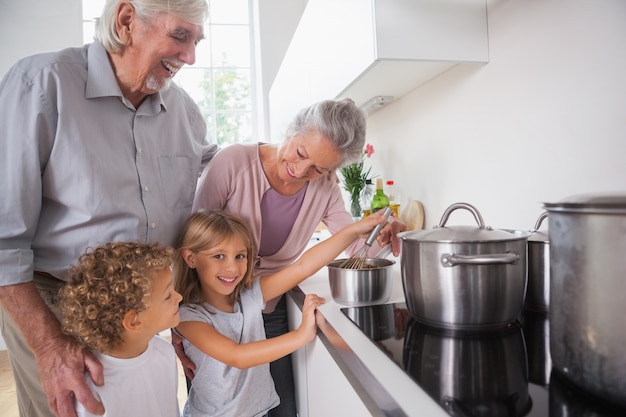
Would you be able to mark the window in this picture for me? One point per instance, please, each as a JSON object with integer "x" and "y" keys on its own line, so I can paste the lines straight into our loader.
{"x": 220, "y": 80}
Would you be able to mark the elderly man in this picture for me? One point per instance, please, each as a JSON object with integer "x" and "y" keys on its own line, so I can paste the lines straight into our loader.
{"x": 95, "y": 146}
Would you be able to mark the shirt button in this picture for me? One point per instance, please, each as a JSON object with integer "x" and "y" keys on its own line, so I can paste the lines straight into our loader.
{"x": 146, "y": 189}
{"x": 139, "y": 150}
{"x": 153, "y": 225}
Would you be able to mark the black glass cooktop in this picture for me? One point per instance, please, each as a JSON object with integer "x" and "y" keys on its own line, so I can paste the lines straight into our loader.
{"x": 478, "y": 373}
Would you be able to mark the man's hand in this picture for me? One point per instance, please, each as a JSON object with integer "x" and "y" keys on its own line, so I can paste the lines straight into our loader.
{"x": 61, "y": 361}
{"x": 188, "y": 366}
{"x": 62, "y": 364}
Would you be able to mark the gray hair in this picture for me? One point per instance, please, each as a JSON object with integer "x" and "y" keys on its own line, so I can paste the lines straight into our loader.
{"x": 192, "y": 11}
{"x": 342, "y": 122}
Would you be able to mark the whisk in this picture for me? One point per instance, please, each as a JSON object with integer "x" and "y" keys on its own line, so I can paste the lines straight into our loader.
{"x": 357, "y": 261}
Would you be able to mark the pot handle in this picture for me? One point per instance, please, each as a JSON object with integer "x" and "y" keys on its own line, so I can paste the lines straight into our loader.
{"x": 539, "y": 221}
{"x": 453, "y": 259}
{"x": 466, "y": 206}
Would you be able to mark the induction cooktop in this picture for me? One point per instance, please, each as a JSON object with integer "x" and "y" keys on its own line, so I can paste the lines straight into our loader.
{"x": 504, "y": 372}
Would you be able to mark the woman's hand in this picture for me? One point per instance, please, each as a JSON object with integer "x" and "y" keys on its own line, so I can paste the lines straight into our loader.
{"x": 188, "y": 366}
{"x": 365, "y": 226}
{"x": 389, "y": 233}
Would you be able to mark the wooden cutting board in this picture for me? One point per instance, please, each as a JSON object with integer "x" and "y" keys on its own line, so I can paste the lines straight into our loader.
{"x": 413, "y": 215}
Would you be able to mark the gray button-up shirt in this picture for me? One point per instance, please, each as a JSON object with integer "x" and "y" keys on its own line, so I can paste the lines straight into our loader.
{"x": 79, "y": 165}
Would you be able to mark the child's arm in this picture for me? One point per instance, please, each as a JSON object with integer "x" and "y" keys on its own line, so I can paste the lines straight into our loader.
{"x": 316, "y": 257}
{"x": 206, "y": 338}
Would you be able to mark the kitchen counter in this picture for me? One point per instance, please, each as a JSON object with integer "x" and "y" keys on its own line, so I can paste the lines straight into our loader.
{"x": 384, "y": 388}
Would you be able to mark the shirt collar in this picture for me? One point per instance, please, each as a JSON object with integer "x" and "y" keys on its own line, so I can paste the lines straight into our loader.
{"x": 101, "y": 80}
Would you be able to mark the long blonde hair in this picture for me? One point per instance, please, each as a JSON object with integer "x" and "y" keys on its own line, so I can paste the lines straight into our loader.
{"x": 204, "y": 230}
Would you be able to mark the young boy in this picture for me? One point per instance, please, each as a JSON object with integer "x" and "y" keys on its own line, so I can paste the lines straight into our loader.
{"x": 119, "y": 297}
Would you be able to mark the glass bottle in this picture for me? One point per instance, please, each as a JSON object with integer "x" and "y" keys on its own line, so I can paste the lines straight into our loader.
{"x": 380, "y": 200}
{"x": 394, "y": 196}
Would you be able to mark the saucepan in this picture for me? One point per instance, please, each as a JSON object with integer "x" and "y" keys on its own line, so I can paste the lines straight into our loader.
{"x": 366, "y": 286}
{"x": 464, "y": 276}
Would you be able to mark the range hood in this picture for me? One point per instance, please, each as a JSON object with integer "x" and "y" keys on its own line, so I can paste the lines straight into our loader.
{"x": 377, "y": 48}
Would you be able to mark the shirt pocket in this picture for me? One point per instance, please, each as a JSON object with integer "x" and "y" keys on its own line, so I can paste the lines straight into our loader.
{"x": 178, "y": 181}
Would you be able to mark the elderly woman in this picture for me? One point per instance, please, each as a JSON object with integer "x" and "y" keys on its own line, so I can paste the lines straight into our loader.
{"x": 283, "y": 192}
{"x": 96, "y": 145}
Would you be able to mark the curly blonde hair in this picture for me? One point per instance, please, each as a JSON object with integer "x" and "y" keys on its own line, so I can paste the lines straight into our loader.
{"x": 104, "y": 285}
{"x": 203, "y": 230}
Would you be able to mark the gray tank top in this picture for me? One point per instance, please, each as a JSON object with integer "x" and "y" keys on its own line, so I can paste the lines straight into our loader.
{"x": 278, "y": 214}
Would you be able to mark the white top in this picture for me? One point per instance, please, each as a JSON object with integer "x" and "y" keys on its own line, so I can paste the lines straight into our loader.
{"x": 145, "y": 386}
{"x": 221, "y": 390}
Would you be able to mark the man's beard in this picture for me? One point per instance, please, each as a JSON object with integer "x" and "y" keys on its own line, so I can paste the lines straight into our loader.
{"x": 154, "y": 84}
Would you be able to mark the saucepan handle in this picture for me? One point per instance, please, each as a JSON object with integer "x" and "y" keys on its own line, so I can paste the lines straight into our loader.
{"x": 453, "y": 259}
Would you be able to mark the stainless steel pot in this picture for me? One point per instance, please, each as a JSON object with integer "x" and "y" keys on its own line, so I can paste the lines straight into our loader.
{"x": 470, "y": 373}
{"x": 464, "y": 276}
{"x": 587, "y": 290}
{"x": 358, "y": 287}
{"x": 538, "y": 290}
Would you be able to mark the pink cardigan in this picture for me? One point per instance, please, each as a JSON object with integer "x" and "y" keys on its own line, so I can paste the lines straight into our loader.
{"x": 234, "y": 181}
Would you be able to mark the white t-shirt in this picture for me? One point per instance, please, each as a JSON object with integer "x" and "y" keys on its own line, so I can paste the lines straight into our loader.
{"x": 145, "y": 386}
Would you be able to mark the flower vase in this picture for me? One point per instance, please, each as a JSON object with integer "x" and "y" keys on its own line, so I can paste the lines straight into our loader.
{"x": 355, "y": 208}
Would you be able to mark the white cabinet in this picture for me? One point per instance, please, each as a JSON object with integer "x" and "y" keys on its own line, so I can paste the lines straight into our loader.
{"x": 366, "y": 48}
{"x": 322, "y": 389}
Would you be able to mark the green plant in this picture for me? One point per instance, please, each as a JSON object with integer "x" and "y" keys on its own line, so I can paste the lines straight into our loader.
{"x": 354, "y": 177}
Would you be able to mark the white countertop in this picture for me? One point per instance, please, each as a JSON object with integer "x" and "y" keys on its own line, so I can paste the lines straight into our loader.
{"x": 406, "y": 393}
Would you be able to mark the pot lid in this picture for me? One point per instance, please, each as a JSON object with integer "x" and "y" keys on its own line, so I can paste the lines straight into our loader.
{"x": 608, "y": 203}
{"x": 466, "y": 234}
{"x": 443, "y": 233}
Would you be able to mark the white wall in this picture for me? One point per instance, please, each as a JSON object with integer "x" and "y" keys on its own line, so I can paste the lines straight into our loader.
{"x": 545, "y": 119}
{"x": 31, "y": 26}
{"x": 276, "y": 22}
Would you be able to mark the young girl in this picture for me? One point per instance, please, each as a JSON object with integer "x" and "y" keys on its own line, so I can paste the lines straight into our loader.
{"x": 221, "y": 317}
{"x": 120, "y": 295}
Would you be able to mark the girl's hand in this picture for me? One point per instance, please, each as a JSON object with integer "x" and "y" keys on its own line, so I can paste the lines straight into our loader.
{"x": 365, "y": 226}
{"x": 308, "y": 327}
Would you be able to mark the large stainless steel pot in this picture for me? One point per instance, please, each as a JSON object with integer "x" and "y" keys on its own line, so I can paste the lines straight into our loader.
{"x": 538, "y": 290}
{"x": 587, "y": 290}
{"x": 464, "y": 276}
{"x": 470, "y": 373}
